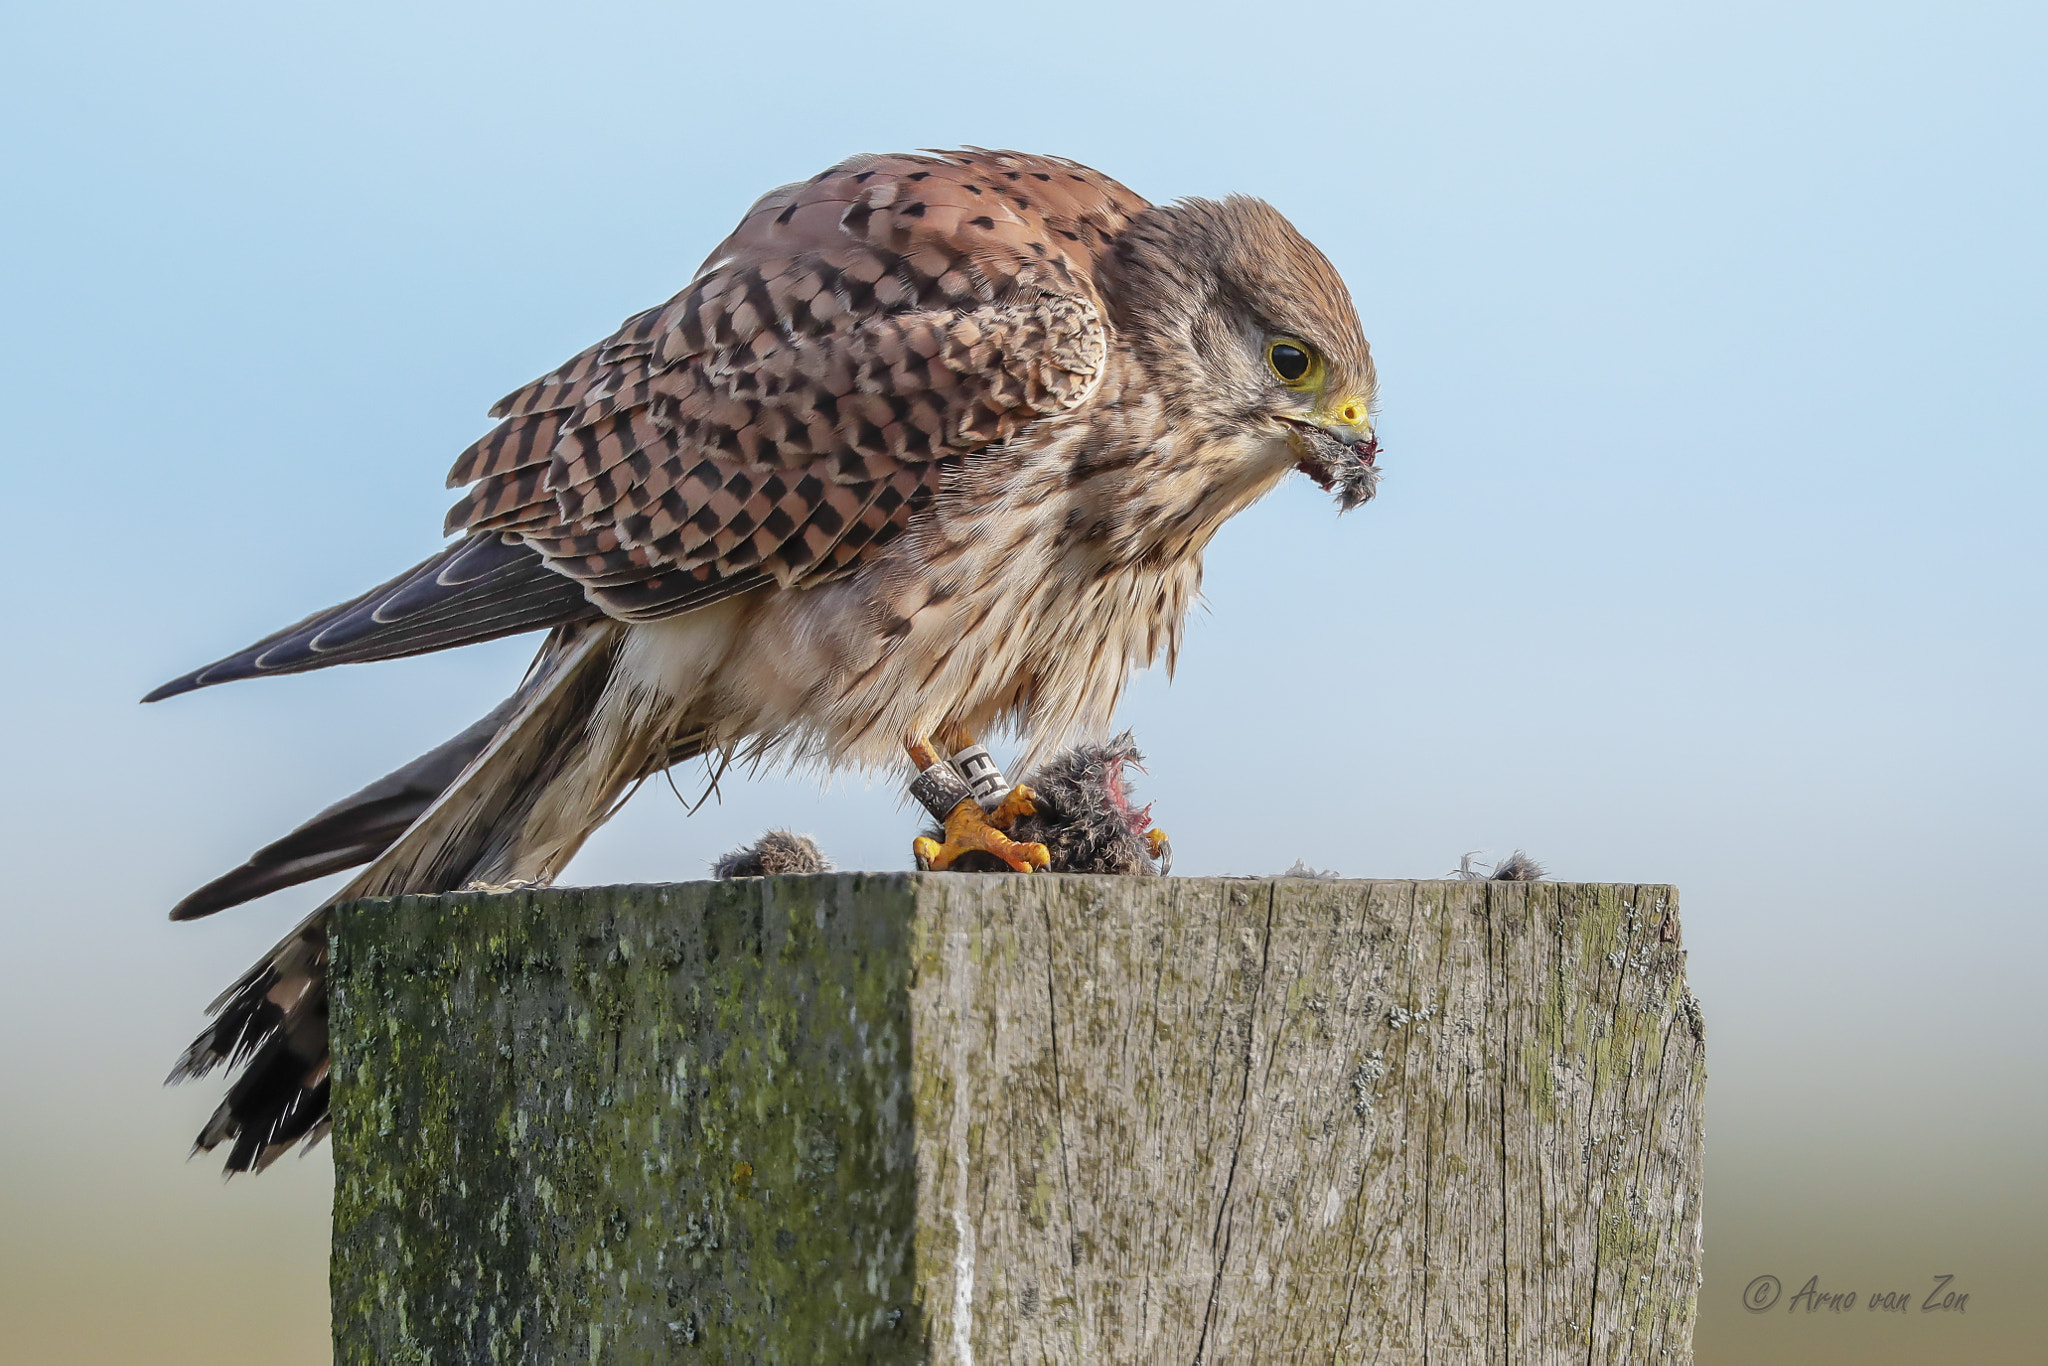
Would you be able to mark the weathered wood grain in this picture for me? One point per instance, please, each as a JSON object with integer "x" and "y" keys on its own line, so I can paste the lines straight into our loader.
{"x": 1001, "y": 1119}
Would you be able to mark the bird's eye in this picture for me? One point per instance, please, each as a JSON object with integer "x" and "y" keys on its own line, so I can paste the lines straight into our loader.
{"x": 1290, "y": 361}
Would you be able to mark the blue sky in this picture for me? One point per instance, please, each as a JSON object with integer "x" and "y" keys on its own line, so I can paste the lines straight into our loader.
{"x": 1708, "y": 551}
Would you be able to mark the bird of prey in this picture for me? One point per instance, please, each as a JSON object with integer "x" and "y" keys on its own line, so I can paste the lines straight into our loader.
{"x": 930, "y": 447}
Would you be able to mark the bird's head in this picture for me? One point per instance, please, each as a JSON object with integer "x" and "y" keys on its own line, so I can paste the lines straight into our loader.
{"x": 1256, "y": 337}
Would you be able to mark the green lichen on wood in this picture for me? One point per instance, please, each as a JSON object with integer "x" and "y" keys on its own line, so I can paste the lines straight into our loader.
{"x": 645, "y": 1118}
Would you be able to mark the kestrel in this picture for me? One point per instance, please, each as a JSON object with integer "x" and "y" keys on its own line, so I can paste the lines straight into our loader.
{"x": 929, "y": 448}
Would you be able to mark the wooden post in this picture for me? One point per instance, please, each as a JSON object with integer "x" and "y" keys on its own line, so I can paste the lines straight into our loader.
{"x": 967, "y": 1118}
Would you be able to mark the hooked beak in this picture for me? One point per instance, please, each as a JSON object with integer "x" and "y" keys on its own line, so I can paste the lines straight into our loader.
{"x": 1359, "y": 439}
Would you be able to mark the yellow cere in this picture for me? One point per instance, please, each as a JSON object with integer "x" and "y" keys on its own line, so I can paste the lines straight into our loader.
{"x": 1351, "y": 412}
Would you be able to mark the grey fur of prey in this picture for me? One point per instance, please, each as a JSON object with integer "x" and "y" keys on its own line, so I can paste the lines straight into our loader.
{"x": 1086, "y": 818}
{"x": 1516, "y": 867}
{"x": 775, "y": 853}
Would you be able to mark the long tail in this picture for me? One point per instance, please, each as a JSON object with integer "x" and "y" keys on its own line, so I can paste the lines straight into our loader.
{"x": 510, "y": 799}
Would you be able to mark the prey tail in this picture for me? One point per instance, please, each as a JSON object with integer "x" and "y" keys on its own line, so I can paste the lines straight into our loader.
{"x": 511, "y": 799}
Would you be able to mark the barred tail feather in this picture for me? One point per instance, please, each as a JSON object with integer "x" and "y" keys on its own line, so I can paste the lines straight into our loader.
{"x": 463, "y": 813}
{"x": 354, "y": 830}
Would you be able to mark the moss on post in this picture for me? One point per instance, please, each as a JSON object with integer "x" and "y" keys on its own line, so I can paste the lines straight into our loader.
{"x": 946, "y": 1118}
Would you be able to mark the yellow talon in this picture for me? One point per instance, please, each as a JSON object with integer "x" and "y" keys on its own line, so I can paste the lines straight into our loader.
{"x": 1021, "y": 802}
{"x": 1161, "y": 849}
{"x": 970, "y": 829}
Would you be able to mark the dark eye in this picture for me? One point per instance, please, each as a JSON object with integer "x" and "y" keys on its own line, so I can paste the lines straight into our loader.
{"x": 1289, "y": 361}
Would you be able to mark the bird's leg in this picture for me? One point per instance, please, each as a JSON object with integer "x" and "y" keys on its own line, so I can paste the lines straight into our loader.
{"x": 953, "y": 800}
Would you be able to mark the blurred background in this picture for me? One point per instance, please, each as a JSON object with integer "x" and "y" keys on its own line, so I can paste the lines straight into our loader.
{"x": 1709, "y": 548}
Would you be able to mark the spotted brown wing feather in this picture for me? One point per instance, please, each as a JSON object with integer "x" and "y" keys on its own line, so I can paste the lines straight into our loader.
{"x": 796, "y": 404}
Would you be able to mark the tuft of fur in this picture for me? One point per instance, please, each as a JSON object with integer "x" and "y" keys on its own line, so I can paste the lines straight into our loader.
{"x": 1086, "y": 817}
{"x": 1516, "y": 867}
{"x": 775, "y": 853}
